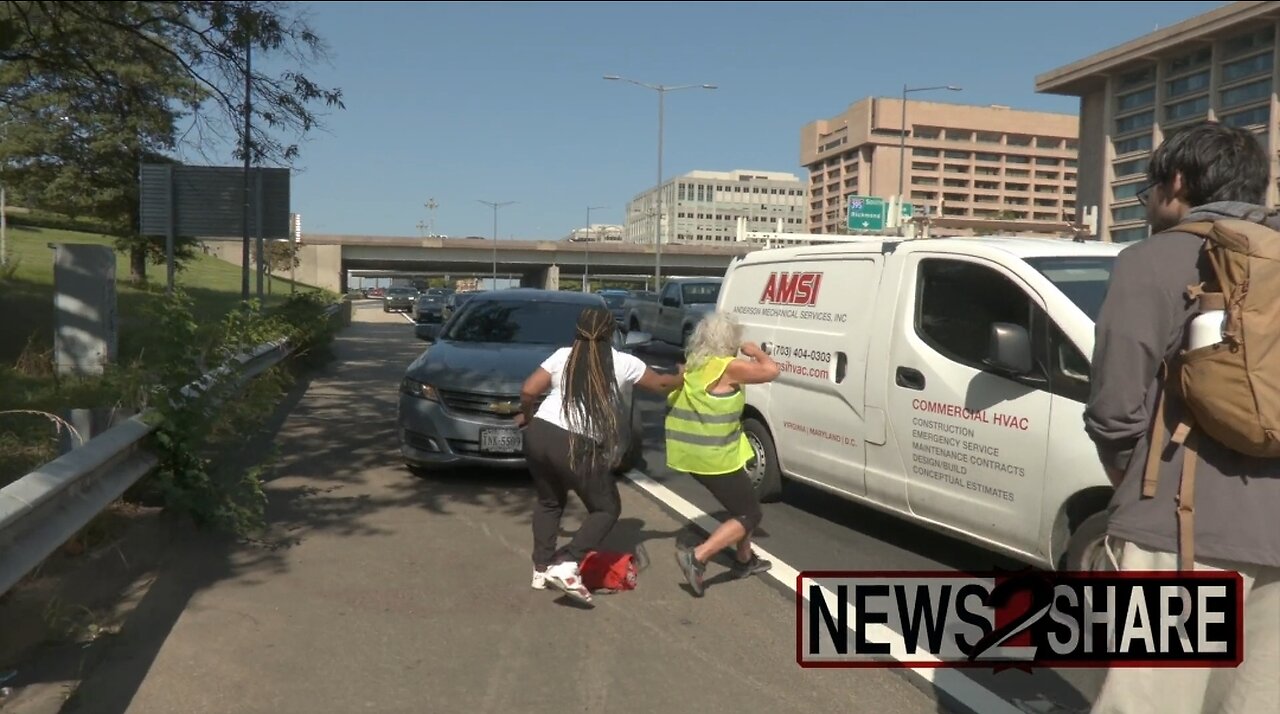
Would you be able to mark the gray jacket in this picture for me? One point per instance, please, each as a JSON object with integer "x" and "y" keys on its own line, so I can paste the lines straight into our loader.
{"x": 1143, "y": 321}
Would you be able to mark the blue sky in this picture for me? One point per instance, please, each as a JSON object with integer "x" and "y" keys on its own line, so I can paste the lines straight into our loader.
{"x": 505, "y": 101}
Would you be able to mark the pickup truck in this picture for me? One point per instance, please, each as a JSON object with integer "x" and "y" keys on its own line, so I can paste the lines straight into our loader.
{"x": 677, "y": 310}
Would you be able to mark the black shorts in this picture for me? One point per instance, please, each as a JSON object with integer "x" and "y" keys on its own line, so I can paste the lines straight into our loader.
{"x": 734, "y": 492}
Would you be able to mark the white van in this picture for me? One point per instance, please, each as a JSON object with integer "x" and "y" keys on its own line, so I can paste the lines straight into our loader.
{"x": 943, "y": 379}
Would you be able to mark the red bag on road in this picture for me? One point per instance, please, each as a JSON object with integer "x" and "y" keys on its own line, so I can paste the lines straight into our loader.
{"x": 609, "y": 571}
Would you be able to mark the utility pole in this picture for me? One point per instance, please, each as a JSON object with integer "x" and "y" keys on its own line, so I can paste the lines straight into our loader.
{"x": 248, "y": 117}
{"x": 431, "y": 206}
{"x": 495, "y": 206}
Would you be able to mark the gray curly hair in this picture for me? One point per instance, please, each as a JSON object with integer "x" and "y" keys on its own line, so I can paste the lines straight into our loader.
{"x": 719, "y": 334}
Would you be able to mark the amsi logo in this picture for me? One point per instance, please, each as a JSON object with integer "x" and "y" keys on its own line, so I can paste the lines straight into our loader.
{"x": 792, "y": 289}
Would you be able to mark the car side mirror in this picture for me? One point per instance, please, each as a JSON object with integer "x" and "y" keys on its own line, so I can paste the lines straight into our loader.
{"x": 1010, "y": 349}
{"x": 670, "y": 302}
{"x": 427, "y": 333}
{"x": 635, "y": 338}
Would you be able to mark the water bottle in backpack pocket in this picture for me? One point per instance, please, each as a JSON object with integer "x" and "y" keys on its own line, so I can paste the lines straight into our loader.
{"x": 1206, "y": 329}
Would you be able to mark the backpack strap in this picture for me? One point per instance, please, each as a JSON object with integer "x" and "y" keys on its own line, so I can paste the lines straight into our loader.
{"x": 1156, "y": 445}
{"x": 1187, "y": 506}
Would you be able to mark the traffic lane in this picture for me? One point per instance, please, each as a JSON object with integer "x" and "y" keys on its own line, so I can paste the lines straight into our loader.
{"x": 812, "y": 530}
{"x": 377, "y": 590}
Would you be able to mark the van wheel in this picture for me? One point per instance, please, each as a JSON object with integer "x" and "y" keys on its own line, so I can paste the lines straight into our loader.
{"x": 1086, "y": 550}
{"x": 763, "y": 470}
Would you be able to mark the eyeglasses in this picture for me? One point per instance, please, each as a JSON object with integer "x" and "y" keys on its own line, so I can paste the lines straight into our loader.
{"x": 1142, "y": 195}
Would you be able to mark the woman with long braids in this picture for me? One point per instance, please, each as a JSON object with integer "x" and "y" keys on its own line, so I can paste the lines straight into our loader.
{"x": 573, "y": 441}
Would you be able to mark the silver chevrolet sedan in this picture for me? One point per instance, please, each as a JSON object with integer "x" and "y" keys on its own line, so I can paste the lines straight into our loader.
{"x": 459, "y": 398}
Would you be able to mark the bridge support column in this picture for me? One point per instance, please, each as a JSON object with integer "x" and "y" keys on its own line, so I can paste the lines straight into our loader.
{"x": 547, "y": 278}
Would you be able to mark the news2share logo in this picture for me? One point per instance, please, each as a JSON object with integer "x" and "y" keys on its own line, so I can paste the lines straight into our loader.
{"x": 1019, "y": 620}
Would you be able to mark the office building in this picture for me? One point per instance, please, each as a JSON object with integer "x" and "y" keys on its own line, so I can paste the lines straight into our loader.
{"x": 1221, "y": 66}
{"x": 964, "y": 163}
{"x": 704, "y": 206}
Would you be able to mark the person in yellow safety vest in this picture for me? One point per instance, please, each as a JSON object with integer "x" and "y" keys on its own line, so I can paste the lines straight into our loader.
{"x": 704, "y": 438}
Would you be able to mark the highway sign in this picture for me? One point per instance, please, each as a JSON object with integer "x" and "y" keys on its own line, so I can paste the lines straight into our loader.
{"x": 866, "y": 213}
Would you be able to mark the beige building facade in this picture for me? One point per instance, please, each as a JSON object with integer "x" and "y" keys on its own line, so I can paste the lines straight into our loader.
{"x": 704, "y": 206}
{"x": 962, "y": 162}
{"x": 1221, "y": 66}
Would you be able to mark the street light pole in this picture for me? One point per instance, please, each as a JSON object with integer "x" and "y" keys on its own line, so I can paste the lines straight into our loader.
{"x": 902, "y": 145}
{"x": 495, "y": 206}
{"x": 586, "y": 269}
{"x": 662, "y": 90}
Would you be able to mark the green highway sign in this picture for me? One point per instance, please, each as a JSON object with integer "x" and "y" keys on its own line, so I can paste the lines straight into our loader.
{"x": 908, "y": 211}
{"x": 866, "y": 213}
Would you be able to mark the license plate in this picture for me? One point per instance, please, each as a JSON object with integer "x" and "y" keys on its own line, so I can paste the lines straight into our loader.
{"x": 503, "y": 441}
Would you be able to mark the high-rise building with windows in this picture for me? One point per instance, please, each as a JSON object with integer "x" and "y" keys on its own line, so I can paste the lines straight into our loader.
{"x": 1221, "y": 65}
{"x": 965, "y": 163}
{"x": 704, "y": 206}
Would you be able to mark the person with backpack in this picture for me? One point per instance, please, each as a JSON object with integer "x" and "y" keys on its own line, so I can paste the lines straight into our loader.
{"x": 1185, "y": 406}
{"x": 573, "y": 441}
{"x": 705, "y": 439}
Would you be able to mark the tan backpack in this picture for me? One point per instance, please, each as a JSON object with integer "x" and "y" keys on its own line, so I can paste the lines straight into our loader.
{"x": 1231, "y": 389}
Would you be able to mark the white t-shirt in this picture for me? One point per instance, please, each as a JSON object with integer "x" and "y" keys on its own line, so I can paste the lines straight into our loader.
{"x": 628, "y": 369}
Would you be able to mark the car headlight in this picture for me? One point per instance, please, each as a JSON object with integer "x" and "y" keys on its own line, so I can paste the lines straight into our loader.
{"x": 414, "y": 388}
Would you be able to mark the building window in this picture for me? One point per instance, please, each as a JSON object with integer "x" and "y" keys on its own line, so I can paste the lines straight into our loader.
{"x": 927, "y": 132}
{"x": 1129, "y": 213}
{"x": 1051, "y": 176}
{"x": 1245, "y": 93}
{"x": 1131, "y": 168}
{"x": 987, "y": 171}
{"x": 1016, "y": 159}
{"x": 987, "y": 185}
{"x": 1248, "y": 42}
{"x": 1129, "y": 235}
{"x": 1240, "y": 69}
{"x": 1044, "y": 161}
{"x": 1128, "y": 190}
{"x": 1137, "y": 143}
{"x": 987, "y": 157}
{"x": 1257, "y": 115}
{"x": 1021, "y": 173}
{"x": 956, "y": 183}
{"x": 1016, "y": 186}
{"x": 1136, "y": 78}
{"x": 958, "y": 155}
{"x": 1136, "y": 100}
{"x": 1185, "y": 85}
{"x": 921, "y": 166}
{"x": 924, "y": 181}
{"x": 1045, "y": 142}
{"x": 1018, "y": 140}
{"x": 1190, "y": 61}
{"x": 1186, "y": 110}
{"x": 987, "y": 137}
{"x": 954, "y": 169}
{"x": 1072, "y": 144}
{"x": 930, "y": 153}
{"x": 959, "y": 135}
{"x": 1135, "y": 122}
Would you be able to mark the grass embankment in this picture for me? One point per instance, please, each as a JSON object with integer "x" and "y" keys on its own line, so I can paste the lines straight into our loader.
{"x": 27, "y": 380}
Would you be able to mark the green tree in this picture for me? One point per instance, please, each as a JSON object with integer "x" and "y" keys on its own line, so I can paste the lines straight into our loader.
{"x": 90, "y": 90}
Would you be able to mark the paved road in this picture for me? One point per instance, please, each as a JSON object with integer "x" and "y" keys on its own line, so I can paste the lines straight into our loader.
{"x": 379, "y": 591}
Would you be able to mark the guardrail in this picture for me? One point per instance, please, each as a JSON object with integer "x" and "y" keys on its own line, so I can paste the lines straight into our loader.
{"x": 47, "y": 507}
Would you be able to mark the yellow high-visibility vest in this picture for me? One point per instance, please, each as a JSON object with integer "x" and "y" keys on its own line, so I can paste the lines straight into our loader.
{"x": 704, "y": 431}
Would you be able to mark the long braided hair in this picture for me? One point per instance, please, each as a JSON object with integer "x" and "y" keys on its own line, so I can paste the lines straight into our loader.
{"x": 591, "y": 400}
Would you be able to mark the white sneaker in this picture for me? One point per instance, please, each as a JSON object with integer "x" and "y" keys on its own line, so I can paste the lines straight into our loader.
{"x": 564, "y": 577}
{"x": 539, "y": 580}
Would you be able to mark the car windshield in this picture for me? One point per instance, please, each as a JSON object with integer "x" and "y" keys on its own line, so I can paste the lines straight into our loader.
{"x": 1083, "y": 280}
{"x": 700, "y": 293}
{"x": 402, "y": 291}
{"x": 614, "y": 301}
{"x": 516, "y": 322}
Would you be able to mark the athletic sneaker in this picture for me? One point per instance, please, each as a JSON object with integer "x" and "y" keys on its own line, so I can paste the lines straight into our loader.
{"x": 754, "y": 566}
{"x": 691, "y": 568}
{"x": 564, "y": 577}
{"x": 539, "y": 579}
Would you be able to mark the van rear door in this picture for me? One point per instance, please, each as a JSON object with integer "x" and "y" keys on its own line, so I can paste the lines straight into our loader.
{"x": 973, "y": 439}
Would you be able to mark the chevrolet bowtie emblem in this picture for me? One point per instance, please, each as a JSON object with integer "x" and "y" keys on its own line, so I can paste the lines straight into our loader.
{"x": 504, "y": 407}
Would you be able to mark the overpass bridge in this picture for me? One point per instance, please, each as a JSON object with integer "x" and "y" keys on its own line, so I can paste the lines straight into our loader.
{"x": 327, "y": 260}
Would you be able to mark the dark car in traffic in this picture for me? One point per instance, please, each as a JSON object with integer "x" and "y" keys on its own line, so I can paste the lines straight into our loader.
{"x": 430, "y": 305}
{"x": 399, "y": 299}
{"x": 460, "y": 397}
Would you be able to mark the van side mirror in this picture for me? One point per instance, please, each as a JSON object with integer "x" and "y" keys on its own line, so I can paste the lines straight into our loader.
{"x": 1010, "y": 349}
{"x": 426, "y": 332}
{"x": 670, "y": 302}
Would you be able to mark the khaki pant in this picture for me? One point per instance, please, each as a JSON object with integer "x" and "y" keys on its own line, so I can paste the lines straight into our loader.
{"x": 1251, "y": 688}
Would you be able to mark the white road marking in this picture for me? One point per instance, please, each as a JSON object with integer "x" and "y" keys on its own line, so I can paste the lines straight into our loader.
{"x": 407, "y": 318}
{"x": 952, "y": 682}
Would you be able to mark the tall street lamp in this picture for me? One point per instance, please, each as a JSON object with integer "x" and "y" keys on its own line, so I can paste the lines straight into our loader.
{"x": 902, "y": 146}
{"x": 495, "y": 206}
{"x": 586, "y": 269}
{"x": 662, "y": 90}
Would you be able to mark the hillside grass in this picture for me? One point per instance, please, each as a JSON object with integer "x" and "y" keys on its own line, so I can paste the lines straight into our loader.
{"x": 27, "y": 379}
